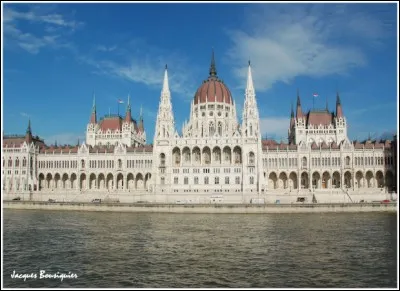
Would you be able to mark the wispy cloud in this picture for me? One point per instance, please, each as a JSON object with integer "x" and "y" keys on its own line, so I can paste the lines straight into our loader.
{"x": 145, "y": 64}
{"x": 64, "y": 138}
{"x": 50, "y": 36}
{"x": 286, "y": 41}
{"x": 104, "y": 48}
{"x": 23, "y": 114}
{"x": 274, "y": 127}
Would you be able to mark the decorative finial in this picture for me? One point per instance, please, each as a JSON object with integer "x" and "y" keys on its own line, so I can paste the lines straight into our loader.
{"x": 28, "y": 130}
{"x": 213, "y": 69}
{"x": 249, "y": 61}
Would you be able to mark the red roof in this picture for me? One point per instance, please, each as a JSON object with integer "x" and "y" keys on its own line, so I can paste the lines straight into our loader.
{"x": 319, "y": 117}
{"x": 213, "y": 90}
{"x": 111, "y": 122}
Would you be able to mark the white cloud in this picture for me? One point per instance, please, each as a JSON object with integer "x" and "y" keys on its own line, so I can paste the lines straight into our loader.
{"x": 286, "y": 41}
{"x": 145, "y": 64}
{"x": 30, "y": 42}
{"x": 274, "y": 127}
{"x": 64, "y": 138}
{"x": 104, "y": 48}
{"x": 23, "y": 114}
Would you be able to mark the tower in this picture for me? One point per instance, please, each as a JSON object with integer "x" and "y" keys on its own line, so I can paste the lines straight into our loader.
{"x": 165, "y": 118}
{"x": 251, "y": 139}
{"x": 250, "y": 119}
{"x": 163, "y": 135}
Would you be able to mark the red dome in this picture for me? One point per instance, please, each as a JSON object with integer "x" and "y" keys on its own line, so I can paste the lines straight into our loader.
{"x": 213, "y": 90}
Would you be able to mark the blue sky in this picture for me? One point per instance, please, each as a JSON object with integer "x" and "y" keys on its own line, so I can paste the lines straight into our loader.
{"x": 56, "y": 55}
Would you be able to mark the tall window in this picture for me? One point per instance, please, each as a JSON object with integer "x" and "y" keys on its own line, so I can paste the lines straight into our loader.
{"x": 251, "y": 180}
{"x": 237, "y": 180}
{"x": 196, "y": 180}
{"x": 216, "y": 180}
{"x": 17, "y": 163}
{"x": 206, "y": 180}
{"x": 176, "y": 180}
{"x": 226, "y": 180}
{"x": 186, "y": 180}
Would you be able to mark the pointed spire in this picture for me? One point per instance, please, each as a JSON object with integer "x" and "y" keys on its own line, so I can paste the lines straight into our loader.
{"x": 327, "y": 104}
{"x": 299, "y": 112}
{"x": 339, "y": 111}
{"x": 250, "y": 85}
{"x": 141, "y": 125}
{"x": 94, "y": 103}
{"x": 28, "y": 135}
{"x": 28, "y": 130}
{"x": 213, "y": 68}
{"x": 165, "y": 88}
{"x": 128, "y": 115}
{"x": 337, "y": 98}
{"x": 291, "y": 111}
{"x": 93, "y": 116}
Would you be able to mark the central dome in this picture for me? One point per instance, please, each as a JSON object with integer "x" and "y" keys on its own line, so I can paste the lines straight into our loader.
{"x": 213, "y": 89}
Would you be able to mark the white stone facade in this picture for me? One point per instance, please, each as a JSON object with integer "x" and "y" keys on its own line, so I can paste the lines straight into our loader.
{"x": 215, "y": 159}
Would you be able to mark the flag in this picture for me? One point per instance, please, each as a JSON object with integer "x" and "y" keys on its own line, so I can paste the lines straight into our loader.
{"x": 120, "y": 101}
{"x": 315, "y": 95}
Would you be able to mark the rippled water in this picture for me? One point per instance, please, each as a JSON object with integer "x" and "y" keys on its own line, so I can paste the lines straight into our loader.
{"x": 144, "y": 250}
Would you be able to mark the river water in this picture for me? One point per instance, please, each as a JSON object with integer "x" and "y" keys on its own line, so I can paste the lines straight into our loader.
{"x": 154, "y": 250}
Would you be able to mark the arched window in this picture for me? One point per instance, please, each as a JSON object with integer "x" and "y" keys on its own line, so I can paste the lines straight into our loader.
{"x": 16, "y": 162}
{"x": 82, "y": 164}
{"x": 206, "y": 180}
{"x": 119, "y": 164}
{"x": 10, "y": 162}
{"x": 251, "y": 180}
{"x": 304, "y": 162}
{"x": 162, "y": 159}
{"x": 347, "y": 161}
{"x": 220, "y": 128}
{"x": 212, "y": 128}
{"x": 251, "y": 158}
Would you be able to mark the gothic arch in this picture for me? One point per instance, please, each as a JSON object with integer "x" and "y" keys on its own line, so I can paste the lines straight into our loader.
{"x": 206, "y": 156}
{"x": 176, "y": 156}
{"x": 293, "y": 180}
{"x": 216, "y": 155}
{"x": 272, "y": 180}
{"x": 237, "y": 155}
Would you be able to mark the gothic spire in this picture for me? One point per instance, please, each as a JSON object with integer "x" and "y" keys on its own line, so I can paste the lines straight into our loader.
{"x": 28, "y": 135}
{"x": 339, "y": 111}
{"x": 291, "y": 111}
{"x": 299, "y": 112}
{"x": 250, "y": 85}
{"x": 213, "y": 68}
{"x": 165, "y": 88}
{"x": 93, "y": 116}
{"x": 128, "y": 115}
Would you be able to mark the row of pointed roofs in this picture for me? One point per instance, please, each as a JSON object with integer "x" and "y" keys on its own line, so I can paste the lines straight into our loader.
{"x": 316, "y": 117}
{"x": 268, "y": 144}
{"x": 115, "y": 121}
{"x": 93, "y": 149}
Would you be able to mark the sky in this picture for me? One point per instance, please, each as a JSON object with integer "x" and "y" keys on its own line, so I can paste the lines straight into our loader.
{"x": 56, "y": 56}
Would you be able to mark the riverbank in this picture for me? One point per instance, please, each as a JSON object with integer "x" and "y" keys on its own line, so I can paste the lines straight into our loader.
{"x": 204, "y": 208}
